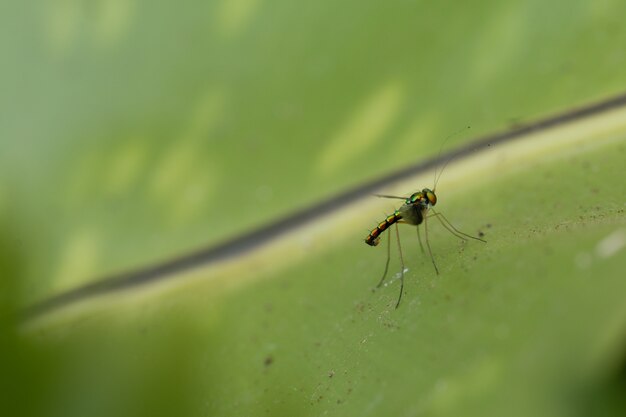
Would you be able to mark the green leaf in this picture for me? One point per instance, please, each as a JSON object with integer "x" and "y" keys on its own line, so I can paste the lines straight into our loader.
{"x": 137, "y": 131}
{"x": 134, "y": 132}
{"x": 532, "y": 320}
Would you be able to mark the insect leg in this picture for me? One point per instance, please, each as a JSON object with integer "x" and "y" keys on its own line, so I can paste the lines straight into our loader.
{"x": 388, "y": 257}
{"x": 419, "y": 239}
{"x": 430, "y": 252}
{"x": 401, "y": 265}
{"x": 446, "y": 223}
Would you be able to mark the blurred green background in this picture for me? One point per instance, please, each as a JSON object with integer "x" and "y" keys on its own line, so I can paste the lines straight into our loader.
{"x": 132, "y": 132}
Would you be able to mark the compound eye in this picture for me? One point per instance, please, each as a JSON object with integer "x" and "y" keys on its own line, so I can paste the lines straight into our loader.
{"x": 432, "y": 198}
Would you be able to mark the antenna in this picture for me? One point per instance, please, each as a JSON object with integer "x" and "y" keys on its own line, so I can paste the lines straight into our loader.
{"x": 437, "y": 176}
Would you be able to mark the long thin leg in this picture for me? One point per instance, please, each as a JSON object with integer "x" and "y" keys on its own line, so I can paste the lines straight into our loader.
{"x": 448, "y": 228}
{"x": 430, "y": 252}
{"x": 419, "y": 239}
{"x": 388, "y": 257}
{"x": 451, "y": 227}
{"x": 401, "y": 265}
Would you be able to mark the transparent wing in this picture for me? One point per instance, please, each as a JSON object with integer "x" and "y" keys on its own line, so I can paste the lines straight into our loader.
{"x": 390, "y": 196}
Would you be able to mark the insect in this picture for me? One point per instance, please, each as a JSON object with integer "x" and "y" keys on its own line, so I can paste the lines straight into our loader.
{"x": 416, "y": 210}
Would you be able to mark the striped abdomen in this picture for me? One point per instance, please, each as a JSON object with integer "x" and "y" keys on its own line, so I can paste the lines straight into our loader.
{"x": 374, "y": 237}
